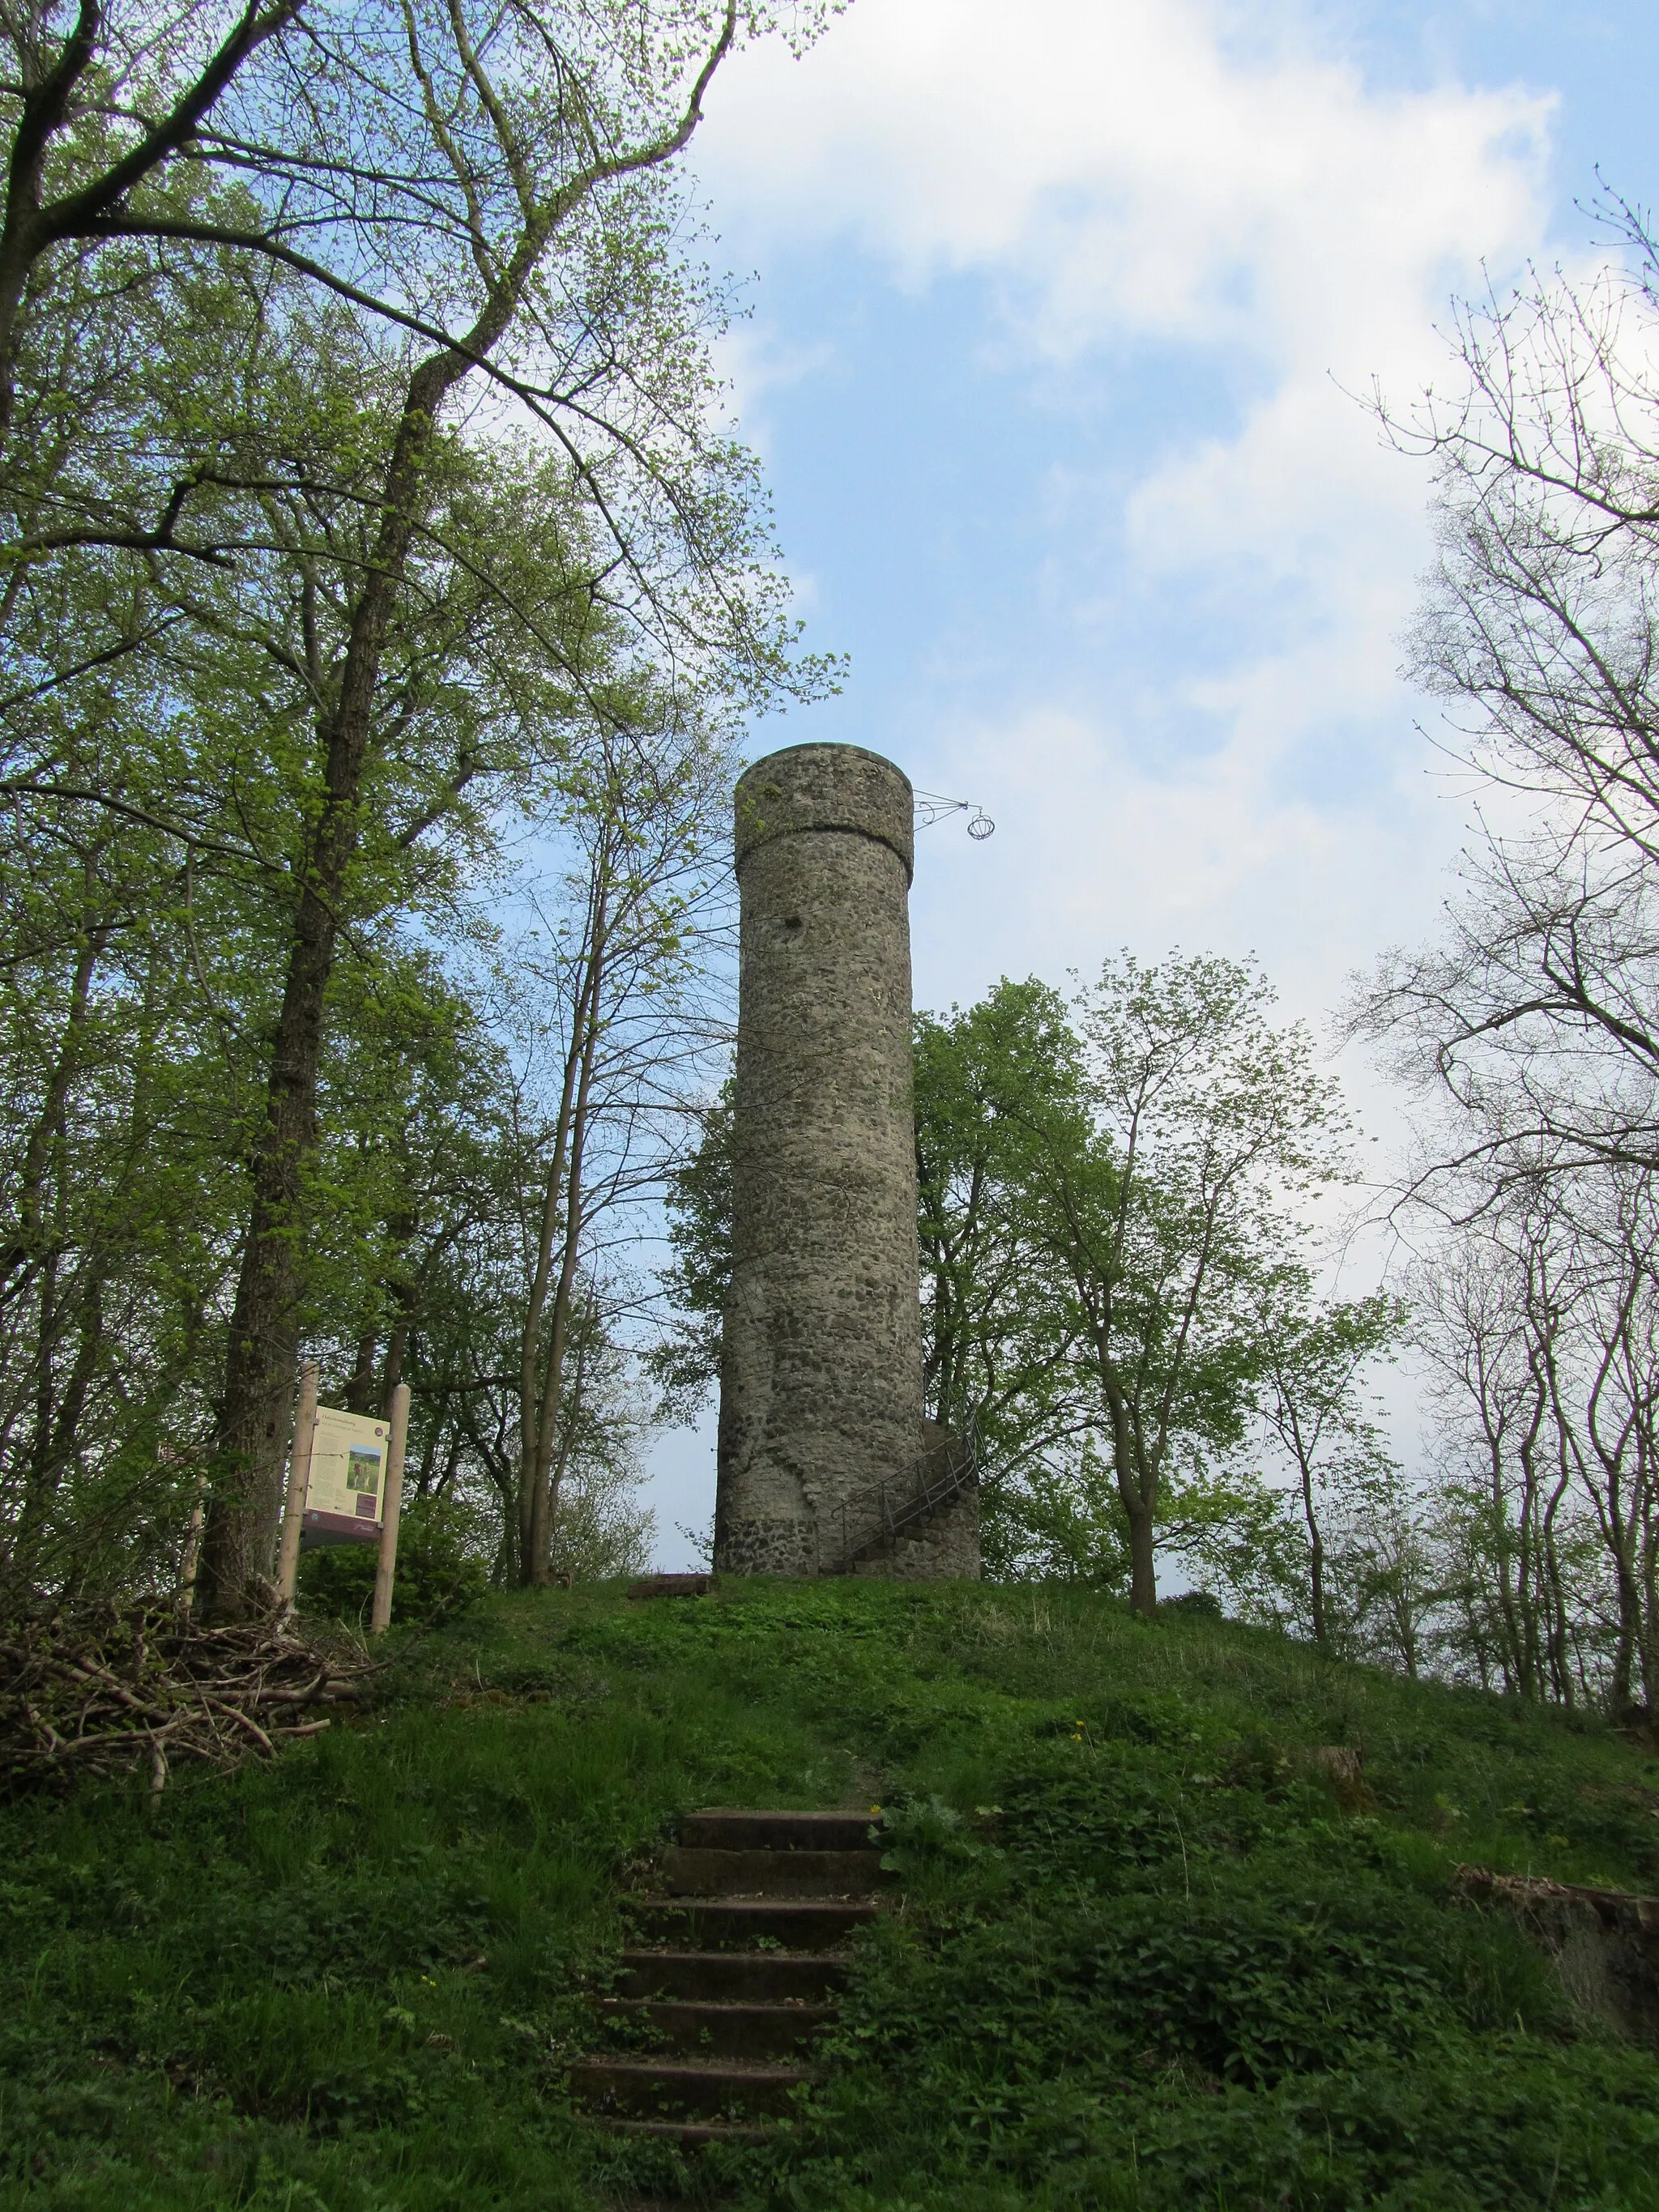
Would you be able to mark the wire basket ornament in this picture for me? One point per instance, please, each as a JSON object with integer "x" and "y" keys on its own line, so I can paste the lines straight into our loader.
{"x": 932, "y": 806}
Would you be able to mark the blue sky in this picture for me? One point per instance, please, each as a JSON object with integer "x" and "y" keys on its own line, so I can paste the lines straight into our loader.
{"x": 1056, "y": 313}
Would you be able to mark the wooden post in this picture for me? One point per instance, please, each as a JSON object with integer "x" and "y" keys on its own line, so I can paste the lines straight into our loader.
{"x": 299, "y": 1482}
{"x": 192, "y": 1556}
{"x": 391, "y": 1507}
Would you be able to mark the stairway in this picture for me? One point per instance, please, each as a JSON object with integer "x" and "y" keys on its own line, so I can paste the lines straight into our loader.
{"x": 920, "y": 1528}
{"x": 728, "y": 2026}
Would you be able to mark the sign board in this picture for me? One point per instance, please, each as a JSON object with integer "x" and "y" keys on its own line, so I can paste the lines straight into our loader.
{"x": 345, "y": 1486}
{"x": 345, "y": 1493}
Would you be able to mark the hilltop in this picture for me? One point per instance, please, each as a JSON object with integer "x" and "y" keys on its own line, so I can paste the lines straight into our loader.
{"x": 1151, "y": 1951}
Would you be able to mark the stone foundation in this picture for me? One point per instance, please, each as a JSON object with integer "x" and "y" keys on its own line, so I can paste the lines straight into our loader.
{"x": 1604, "y": 1942}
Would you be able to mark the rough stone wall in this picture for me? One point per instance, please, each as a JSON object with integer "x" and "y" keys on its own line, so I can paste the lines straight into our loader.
{"x": 821, "y": 1370}
{"x": 1604, "y": 1942}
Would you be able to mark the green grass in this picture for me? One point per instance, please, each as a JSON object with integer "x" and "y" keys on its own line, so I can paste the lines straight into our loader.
{"x": 1146, "y": 1957}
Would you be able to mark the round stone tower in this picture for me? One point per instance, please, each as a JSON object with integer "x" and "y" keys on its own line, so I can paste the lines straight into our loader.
{"x": 821, "y": 1373}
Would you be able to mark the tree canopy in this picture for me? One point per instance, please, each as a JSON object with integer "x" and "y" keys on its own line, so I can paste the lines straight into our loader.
{"x": 379, "y": 576}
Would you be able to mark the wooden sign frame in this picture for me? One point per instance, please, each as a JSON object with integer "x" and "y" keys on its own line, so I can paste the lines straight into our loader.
{"x": 338, "y": 1456}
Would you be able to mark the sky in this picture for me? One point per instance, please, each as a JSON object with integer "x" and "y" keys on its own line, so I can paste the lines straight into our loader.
{"x": 1060, "y": 320}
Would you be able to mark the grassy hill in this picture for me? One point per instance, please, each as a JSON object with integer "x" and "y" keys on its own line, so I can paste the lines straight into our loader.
{"x": 1149, "y": 1955}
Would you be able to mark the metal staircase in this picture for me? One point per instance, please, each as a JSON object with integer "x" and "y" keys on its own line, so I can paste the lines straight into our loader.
{"x": 879, "y": 1514}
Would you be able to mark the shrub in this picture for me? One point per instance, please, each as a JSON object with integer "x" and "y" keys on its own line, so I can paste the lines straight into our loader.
{"x": 438, "y": 1575}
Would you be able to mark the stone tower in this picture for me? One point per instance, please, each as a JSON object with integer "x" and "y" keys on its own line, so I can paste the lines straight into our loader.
{"x": 821, "y": 1427}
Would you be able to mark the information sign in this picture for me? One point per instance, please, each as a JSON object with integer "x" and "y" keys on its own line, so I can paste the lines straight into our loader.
{"x": 346, "y": 1489}
{"x": 345, "y": 1486}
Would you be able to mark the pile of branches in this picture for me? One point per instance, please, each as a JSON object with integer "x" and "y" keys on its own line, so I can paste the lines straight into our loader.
{"x": 103, "y": 1689}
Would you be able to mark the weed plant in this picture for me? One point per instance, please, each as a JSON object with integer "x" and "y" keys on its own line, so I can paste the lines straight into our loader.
{"x": 1148, "y": 1950}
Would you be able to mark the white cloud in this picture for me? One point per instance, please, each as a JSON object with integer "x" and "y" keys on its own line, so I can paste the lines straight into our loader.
{"x": 1094, "y": 850}
{"x": 752, "y": 362}
{"x": 1124, "y": 176}
{"x": 1134, "y": 174}
{"x": 1129, "y": 173}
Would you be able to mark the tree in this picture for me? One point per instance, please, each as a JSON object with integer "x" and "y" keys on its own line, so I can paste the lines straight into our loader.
{"x": 645, "y": 830}
{"x": 99, "y": 111}
{"x": 1169, "y": 1210}
{"x": 425, "y": 197}
{"x": 1397, "y": 1585}
{"x": 184, "y": 968}
{"x": 1542, "y": 1340}
{"x": 1528, "y": 1028}
{"x": 1535, "y": 1008}
{"x": 997, "y": 1324}
{"x": 1104, "y": 1196}
{"x": 1488, "y": 1320}
{"x": 485, "y": 121}
{"x": 411, "y": 164}
{"x": 1312, "y": 1362}
{"x": 685, "y": 1361}
{"x": 162, "y": 922}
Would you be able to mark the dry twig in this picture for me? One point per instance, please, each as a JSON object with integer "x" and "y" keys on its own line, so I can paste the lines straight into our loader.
{"x": 104, "y": 1689}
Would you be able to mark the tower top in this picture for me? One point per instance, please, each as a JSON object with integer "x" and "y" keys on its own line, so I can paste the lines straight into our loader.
{"x": 824, "y": 786}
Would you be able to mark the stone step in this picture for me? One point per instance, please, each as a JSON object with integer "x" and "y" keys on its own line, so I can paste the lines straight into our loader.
{"x": 736, "y": 2020}
{"x": 690, "y": 2135}
{"x": 723, "y": 1831}
{"x": 739, "y": 1977}
{"x": 721, "y": 2029}
{"x": 703, "y": 1873}
{"x": 662, "y": 2088}
{"x": 804, "y": 1923}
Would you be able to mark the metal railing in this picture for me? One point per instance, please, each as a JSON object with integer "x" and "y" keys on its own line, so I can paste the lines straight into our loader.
{"x": 882, "y": 1512}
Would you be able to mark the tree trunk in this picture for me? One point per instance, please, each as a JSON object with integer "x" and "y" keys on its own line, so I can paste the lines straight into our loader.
{"x": 360, "y": 1391}
{"x": 1315, "y": 1565}
{"x": 44, "y": 1164}
{"x": 1405, "y": 1630}
{"x": 246, "y": 1504}
{"x": 1143, "y": 1572}
{"x": 1556, "y": 1599}
{"x": 1528, "y": 1577}
{"x": 1137, "y": 1486}
{"x": 544, "y": 1487}
{"x": 1628, "y": 1646}
{"x": 391, "y": 1370}
{"x": 540, "y": 1375}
